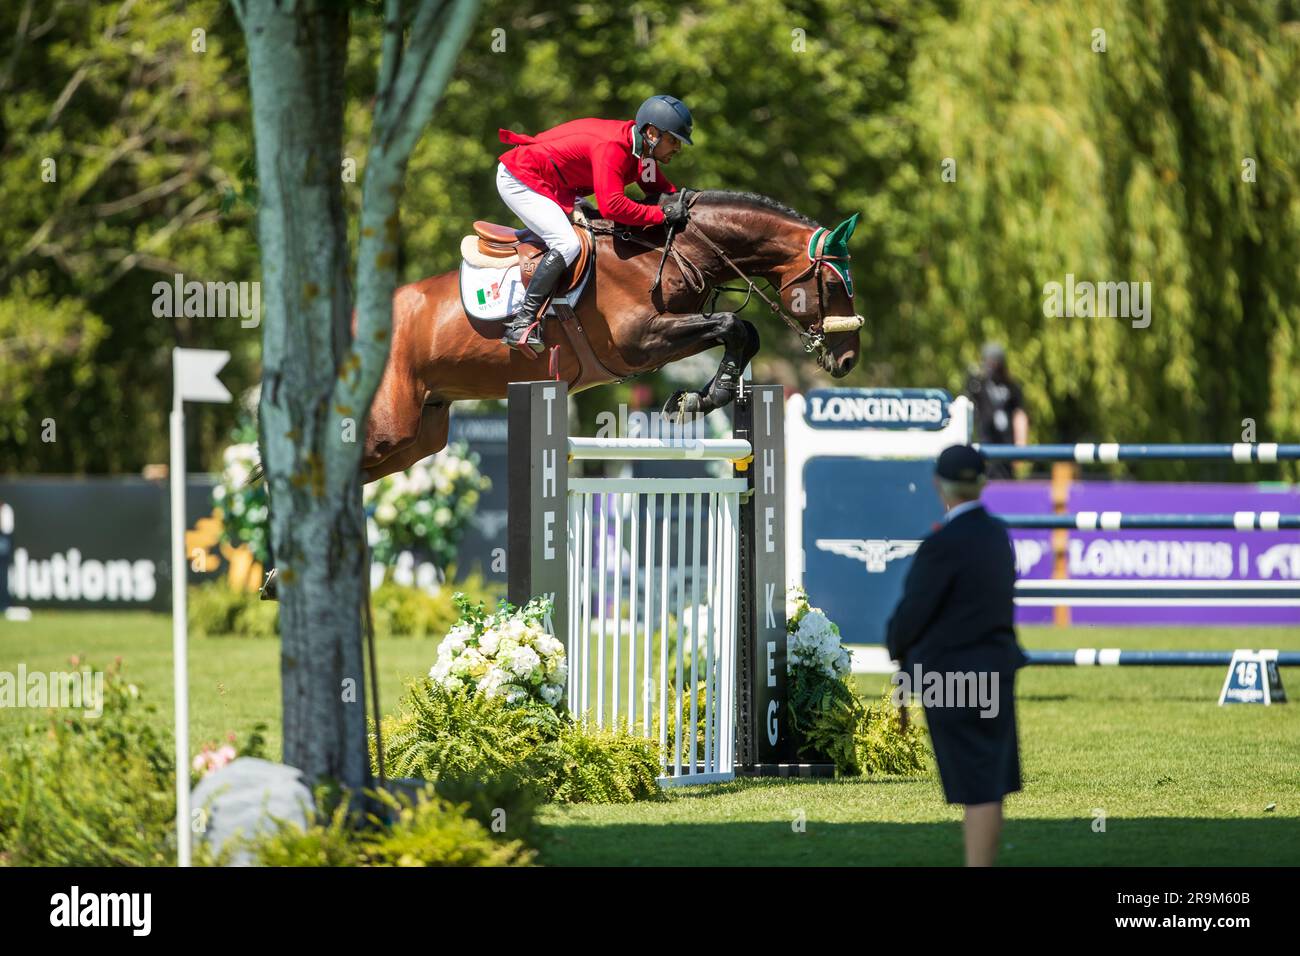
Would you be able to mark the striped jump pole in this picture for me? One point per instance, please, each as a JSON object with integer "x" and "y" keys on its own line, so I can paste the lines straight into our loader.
{"x": 1107, "y": 453}
{"x": 1120, "y": 521}
{"x": 1118, "y": 657}
{"x": 1100, "y": 592}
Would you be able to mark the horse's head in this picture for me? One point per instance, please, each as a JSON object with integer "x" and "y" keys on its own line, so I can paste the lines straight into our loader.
{"x": 817, "y": 289}
{"x": 808, "y": 265}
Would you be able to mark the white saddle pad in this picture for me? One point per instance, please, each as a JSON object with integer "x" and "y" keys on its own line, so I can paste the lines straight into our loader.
{"x": 490, "y": 293}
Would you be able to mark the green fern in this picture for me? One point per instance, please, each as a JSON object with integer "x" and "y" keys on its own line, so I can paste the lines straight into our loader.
{"x": 603, "y": 766}
{"x": 422, "y": 831}
{"x": 884, "y": 746}
{"x": 488, "y": 754}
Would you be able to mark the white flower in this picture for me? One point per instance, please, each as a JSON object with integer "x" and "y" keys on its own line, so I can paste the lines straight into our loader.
{"x": 514, "y": 693}
{"x": 235, "y": 453}
{"x": 372, "y": 532}
{"x": 386, "y": 513}
{"x": 794, "y": 603}
{"x": 491, "y": 682}
{"x": 453, "y": 643}
{"x": 469, "y": 663}
{"x": 442, "y": 517}
{"x": 549, "y": 646}
{"x": 523, "y": 661}
{"x": 489, "y": 641}
{"x": 551, "y": 693}
{"x": 814, "y": 622}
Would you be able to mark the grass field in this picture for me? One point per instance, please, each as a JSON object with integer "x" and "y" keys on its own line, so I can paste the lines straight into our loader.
{"x": 1180, "y": 781}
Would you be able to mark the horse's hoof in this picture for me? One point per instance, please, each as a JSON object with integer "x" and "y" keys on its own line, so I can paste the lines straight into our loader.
{"x": 682, "y": 404}
{"x": 268, "y": 591}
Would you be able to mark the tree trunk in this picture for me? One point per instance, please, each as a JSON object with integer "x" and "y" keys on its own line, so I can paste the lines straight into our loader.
{"x": 318, "y": 380}
{"x": 296, "y": 54}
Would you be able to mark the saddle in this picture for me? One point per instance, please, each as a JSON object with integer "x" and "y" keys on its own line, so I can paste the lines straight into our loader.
{"x": 500, "y": 248}
{"x": 494, "y": 246}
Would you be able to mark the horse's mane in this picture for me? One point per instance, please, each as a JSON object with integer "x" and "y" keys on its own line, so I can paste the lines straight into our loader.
{"x": 754, "y": 199}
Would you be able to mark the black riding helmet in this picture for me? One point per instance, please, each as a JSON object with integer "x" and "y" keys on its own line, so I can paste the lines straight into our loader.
{"x": 668, "y": 114}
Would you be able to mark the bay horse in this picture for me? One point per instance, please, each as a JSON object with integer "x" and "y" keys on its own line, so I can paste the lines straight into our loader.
{"x": 643, "y": 308}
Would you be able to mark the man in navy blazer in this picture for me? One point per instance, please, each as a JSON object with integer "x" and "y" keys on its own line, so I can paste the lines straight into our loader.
{"x": 953, "y": 636}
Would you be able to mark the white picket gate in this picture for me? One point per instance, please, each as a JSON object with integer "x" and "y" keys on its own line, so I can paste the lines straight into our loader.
{"x": 653, "y": 572}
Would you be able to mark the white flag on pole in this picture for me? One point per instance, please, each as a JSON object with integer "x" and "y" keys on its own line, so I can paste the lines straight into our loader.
{"x": 195, "y": 372}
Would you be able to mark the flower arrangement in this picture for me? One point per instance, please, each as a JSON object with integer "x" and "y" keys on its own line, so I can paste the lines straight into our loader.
{"x": 244, "y": 507}
{"x": 428, "y": 506}
{"x": 506, "y": 654}
{"x": 824, "y": 710}
{"x": 813, "y": 640}
{"x": 832, "y": 721}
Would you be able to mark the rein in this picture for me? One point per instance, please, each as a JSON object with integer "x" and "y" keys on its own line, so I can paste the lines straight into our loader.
{"x": 813, "y": 337}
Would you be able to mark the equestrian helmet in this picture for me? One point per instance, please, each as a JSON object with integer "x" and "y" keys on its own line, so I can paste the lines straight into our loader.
{"x": 668, "y": 114}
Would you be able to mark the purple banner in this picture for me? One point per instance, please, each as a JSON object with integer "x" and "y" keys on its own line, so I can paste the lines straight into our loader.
{"x": 1156, "y": 555}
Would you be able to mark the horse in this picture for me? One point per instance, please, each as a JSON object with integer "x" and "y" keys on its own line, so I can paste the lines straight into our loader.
{"x": 644, "y": 308}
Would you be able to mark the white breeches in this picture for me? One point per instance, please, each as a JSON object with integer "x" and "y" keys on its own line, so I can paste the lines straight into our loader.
{"x": 540, "y": 214}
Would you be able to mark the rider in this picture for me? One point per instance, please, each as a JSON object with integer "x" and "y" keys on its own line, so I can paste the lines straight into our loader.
{"x": 544, "y": 175}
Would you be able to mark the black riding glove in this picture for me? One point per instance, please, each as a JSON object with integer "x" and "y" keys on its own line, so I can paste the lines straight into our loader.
{"x": 676, "y": 210}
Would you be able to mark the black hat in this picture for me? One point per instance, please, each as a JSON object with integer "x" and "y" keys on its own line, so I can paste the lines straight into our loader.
{"x": 960, "y": 463}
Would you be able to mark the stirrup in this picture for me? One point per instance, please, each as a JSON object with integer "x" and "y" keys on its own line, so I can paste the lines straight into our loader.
{"x": 529, "y": 341}
{"x": 268, "y": 591}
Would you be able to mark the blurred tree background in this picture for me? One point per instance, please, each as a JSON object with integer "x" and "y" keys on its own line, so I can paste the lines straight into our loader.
{"x": 1163, "y": 149}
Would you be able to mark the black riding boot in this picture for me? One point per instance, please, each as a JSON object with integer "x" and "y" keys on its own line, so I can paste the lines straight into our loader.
{"x": 545, "y": 277}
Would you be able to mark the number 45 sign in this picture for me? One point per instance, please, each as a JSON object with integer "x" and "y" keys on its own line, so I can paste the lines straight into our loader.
{"x": 1253, "y": 678}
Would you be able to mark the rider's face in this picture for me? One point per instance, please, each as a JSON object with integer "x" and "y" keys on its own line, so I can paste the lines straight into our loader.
{"x": 667, "y": 146}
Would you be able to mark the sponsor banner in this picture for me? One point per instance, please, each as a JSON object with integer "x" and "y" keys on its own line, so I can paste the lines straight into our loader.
{"x": 1157, "y": 555}
{"x": 102, "y": 542}
{"x": 97, "y": 542}
{"x": 857, "y": 542}
{"x": 879, "y": 408}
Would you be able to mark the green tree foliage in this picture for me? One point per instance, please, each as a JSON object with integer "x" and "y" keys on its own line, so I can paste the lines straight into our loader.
{"x": 144, "y": 134}
{"x": 1128, "y": 164}
{"x": 1122, "y": 165}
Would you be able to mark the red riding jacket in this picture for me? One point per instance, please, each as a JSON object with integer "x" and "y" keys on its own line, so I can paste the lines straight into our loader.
{"x": 585, "y": 157}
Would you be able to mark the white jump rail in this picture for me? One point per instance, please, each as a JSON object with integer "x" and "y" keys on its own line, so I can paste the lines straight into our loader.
{"x": 659, "y": 449}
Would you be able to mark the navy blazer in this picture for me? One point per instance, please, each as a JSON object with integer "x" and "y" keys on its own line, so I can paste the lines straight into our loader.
{"x": 957, "y": 608}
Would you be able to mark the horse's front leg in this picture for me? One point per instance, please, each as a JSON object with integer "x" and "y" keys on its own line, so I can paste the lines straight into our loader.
{"x": 740, "y": 342}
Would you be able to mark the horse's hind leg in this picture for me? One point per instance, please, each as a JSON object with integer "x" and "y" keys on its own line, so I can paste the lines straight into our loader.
{"x": 394, "y": 420}
{"x": 430, "y": 437}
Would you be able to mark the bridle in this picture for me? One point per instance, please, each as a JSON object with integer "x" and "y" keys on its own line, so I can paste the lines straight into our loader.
{"x": 813, "y": 337}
